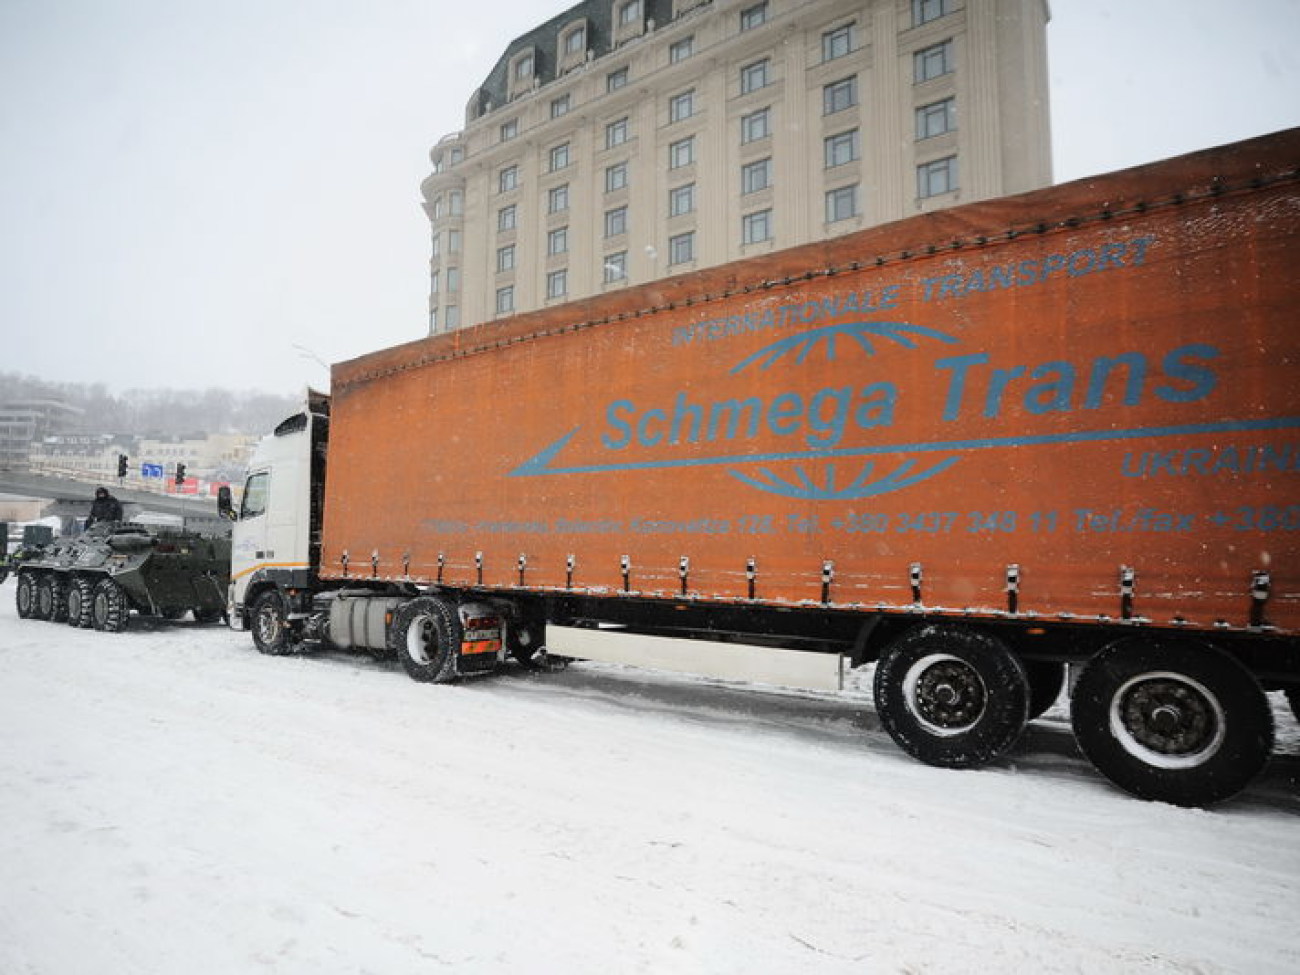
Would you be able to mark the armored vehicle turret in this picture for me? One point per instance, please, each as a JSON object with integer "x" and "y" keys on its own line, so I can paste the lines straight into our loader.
{"x": 98, "y": 578}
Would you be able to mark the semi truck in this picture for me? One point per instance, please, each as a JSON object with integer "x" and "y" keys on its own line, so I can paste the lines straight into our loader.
{"x": 972, "y": 448}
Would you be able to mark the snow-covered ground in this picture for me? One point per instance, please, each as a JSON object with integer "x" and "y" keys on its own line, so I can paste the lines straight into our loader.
{"x": 170, "y": 801}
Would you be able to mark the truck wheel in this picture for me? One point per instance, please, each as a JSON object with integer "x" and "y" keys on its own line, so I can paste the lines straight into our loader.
{"x": 26, "y": 595}
{"x": 270, "y": 625}
{"x": 951, "y": 696}
{"x": 1046, "y": 678}
{"x": 109, "y": 610}
{"x": 81, "y": 599}
{"x": 425, "y": 635}
{"x": 1181, "y": 723}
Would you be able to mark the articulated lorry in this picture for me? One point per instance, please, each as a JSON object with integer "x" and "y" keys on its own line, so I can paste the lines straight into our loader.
{"x": 971, "y": 448}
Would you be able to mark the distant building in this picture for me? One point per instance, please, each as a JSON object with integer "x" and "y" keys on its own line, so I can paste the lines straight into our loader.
{"x": 627, "y": 140}
{"x": 25, "y": 422}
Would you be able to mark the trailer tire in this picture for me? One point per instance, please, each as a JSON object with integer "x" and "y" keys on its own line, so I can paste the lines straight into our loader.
{"x": 269, "y": 621}
{"x": 1046, "y": 678}
{"x": 25, "y": 596}
{"x": 81, "y": 598}
{"x": 1174, "y": 722}
{"x": 425, "y": 635}
{"x": 951, "y": 696}
{"x": 109, "y": 609}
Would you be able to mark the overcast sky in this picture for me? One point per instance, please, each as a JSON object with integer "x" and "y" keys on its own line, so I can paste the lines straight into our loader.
{"x": 194, "y": 192}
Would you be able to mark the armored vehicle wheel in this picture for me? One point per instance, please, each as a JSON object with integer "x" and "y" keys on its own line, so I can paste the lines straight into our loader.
{"x": 81, "y": 597}
{"x": 951, "y": 696}
{"x": 270, "y": 625}
{"x": 109, "y": 609}
{"x": 52, "y": 597}
{"x": 26, "y": 595}
{"x": 425, "y": 635}
{"x": 1176, "y": 722}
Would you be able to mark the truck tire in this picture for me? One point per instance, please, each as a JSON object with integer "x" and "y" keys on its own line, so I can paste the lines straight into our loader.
{"x": 25, "y": 596}
{"x": 951, "y": 696}
{"x": 269, "y": 622}
{"x": 425, "y": 635}
{"x": 109, "y": 609}
{"x": 1175, "y": 722}
{"x": 81, "y": 599}
{"x": 1046, "y": 678}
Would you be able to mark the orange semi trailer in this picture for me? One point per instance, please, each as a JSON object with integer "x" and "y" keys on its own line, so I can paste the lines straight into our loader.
{"x": 971, "y": 447}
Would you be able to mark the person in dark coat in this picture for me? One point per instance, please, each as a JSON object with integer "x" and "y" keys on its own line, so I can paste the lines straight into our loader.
{"x": 105, "y": 507}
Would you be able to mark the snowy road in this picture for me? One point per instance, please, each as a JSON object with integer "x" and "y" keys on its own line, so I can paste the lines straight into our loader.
{"x": 173, "y": 802}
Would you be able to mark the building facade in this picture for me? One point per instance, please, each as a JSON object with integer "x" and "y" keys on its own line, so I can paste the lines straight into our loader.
{"x": 628, "y": 140}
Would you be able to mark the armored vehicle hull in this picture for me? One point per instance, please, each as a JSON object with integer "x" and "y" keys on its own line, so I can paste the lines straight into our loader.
{"x": 99, "y": 578}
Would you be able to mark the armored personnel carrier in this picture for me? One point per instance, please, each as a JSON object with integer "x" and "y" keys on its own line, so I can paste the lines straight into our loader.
{"x": 98, "y": 578}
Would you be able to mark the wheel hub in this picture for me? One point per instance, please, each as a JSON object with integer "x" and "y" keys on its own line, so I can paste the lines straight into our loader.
{"x": 1168, "y": 720}
{"x": 945, "y": 693}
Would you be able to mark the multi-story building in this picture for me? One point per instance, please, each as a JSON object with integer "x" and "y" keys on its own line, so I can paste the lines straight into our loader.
{"x": 628, "y": 140}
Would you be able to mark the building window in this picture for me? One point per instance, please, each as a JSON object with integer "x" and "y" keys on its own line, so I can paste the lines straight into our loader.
{"x": 756, "y": 227}
{"x": 837, "y": 43}
{"x": 615, "y": 177}
{"x": 755, "y": 125}
{"x": 932, "y": 62}
{"x": 754, "y": 76}
{"x": 681, "y": 106}
{"x": 841, "y": 148}
{"x": 436, "y": 248}
{"x": 508, "y": 179}
{"x": 560, "y": 106}
{"x": 616, "y": 133}
{"x": 615, "y": 267}
{"x": 509, "y": 129}
{"x": 506, "y": 258}
{"x": 840, "y": 95}
{"x": 936, "y": 118}
{"x": 557, "y": 283}
{"x": 456, "y": 203}
{"x": 575, "y": 40}
{"x": 433, "y": 320}
{"x": 616, "y": 79}
{"x": 842, "y": 203}
{"x": 557, "y": 241}
{"x": 524, "y": 68}
{"x": 681, "y": 200}
{"x": 681, "y": 248}
{"x": 505, "y": 299}
{"x": 453, "y": 279}
{"x": 629, "y": 13}
{"x": 507, "y": 218}
{"x": 753, "y": 15}
{"x": 756, "y": 176}
{"x": 616, "y": 221}
{"x": 451, "y": 316}
{"x": 937, "y": 177}
{"x": 434, "y": 282}
{"x": 557, "y": 199}
{"x": 681, "y": 153}
{"x": 681, "y": 50}
{"x": 924, "y": 11}
{"x": 559, "y": 156}
{"x": 453, "y": 241}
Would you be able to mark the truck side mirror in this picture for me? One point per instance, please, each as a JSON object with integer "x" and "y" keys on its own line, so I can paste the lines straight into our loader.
{"x": 225, "y": 503}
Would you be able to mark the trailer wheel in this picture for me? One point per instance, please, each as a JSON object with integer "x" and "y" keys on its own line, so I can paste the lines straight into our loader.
{"x": 25, "y": 596}
{"x": 951, "y": 696}
{"x": 81, "y": 600}
{"x": 1175, "y": 722}
{"x": 425, "y": 635}
{"x": 109, "y": 610}
{"x": 270, "y": 625}
{"x": 1046, "y": 678}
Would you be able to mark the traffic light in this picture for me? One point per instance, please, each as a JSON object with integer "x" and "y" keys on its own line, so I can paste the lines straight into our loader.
{"x": 121, "y": 465}
{"x": 180, "y": 474}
